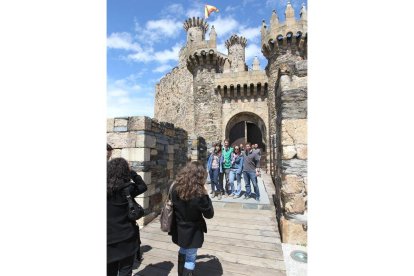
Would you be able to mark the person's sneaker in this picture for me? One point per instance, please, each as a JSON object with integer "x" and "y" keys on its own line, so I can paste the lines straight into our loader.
{"x": 219, "y": 196}
{"x": 257, "y": 199}
{"x": 239, "y": 196}
{"x": 246, "y": 196}
{"x": 213, "y": 195}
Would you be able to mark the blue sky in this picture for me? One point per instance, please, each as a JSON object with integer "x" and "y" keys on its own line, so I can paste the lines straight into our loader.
{"x": 144, "y": 37}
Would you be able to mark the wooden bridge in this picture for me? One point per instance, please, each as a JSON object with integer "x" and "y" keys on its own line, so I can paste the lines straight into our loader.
{"x": 242, "y": 239}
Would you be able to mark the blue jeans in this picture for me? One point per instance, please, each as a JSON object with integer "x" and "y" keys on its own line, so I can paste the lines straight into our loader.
{"x": 233, "y": 175}
{"x": 214, "y": 178}
{"x": 222, "y": 184}
{"x": 190, "y": 257}
{"x": 251, "y": 176}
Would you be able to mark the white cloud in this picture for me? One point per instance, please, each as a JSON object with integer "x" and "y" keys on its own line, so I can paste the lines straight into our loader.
{"x": 225, "y": 26}
{"x": 167, "y": 55}
{"x": 123, "y": 99}
{"x": 173, "y": 10}
{"x": 157, "y": 30}
{"x": 252, "y": 50}
{"x": 196, "y": 9}
{"x": 142, "y": 106}
{"x": 250, "y": 33}
{"x": 162, "y": 68}
{"x": 167, "y": 27}
{"x": 194, "y": 13}
{"x": 121, "y": 41}
{"x": 231, "y": 8}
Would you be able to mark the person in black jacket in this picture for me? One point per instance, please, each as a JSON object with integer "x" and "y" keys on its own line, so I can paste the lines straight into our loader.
{"x": 123, "y": 239}
{"x": 191, "y": 204}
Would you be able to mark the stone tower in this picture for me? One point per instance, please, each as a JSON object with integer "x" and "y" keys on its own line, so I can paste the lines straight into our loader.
{"x": 236, "y": 47}
{"x": 285, "y": 47}
{"x": 203, "y": 61}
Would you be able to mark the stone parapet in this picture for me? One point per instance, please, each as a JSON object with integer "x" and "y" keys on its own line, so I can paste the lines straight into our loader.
{"x": 240, "y": 78}
{"x": 155, "y": 150}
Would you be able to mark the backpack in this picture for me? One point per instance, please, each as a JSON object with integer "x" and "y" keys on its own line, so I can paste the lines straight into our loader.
{"x": 167, "y": 213}
{"x": 135, "y": 211}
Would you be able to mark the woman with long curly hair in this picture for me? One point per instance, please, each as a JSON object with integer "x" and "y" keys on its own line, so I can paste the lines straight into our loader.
{"x": 123, "y": 239}
{"x": 191, "y": 205}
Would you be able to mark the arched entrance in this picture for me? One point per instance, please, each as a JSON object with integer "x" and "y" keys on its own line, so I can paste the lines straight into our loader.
{"x": 248, "y": 127}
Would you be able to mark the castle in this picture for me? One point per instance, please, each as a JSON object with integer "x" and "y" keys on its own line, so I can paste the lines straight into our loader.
{"x": 210, "y": 96}
{"x": 213, "y": 96}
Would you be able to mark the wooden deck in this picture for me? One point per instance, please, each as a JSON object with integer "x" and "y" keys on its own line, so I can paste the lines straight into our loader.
{"x": 239, "y": 242}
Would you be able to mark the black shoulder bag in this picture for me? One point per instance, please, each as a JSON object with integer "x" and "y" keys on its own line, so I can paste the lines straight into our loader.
{"x": 135, "y": 211}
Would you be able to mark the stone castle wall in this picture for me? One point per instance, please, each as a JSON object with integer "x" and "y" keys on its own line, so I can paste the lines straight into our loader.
{"x": 155, "y": 150}
{"x": 174, "y": 101}
{"x": 292, "y": 150}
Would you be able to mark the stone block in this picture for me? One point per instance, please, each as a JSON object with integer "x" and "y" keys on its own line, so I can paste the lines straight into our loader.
{"x": 294, "y": 203}
{"x": 121, "y": 122}
{"x": 146, "y": 176}
{"x": 292, "y": 184}
{"x": 116, "y": 153}
{"x": 110, "y": 124}
{"x": 145, "y": 141}
{"x": 120, "y": 129}
{"x": 294, "y": 166}
{"x": 154, "y": 152}
{"x": 121, "y": 140}
{"x": 142, "y": 200}
{"x": 296, "y": 129}
{"x": 302, "y": 152}
{"x": 288, "y": 152}
{"x": 170, "y": 149}
{"x": 136, "y": 154}
{"x": 293, "y": 233}
{"x": 139, "y": 123}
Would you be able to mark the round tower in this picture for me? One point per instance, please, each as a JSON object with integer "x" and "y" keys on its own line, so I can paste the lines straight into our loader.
{"x": 196, "y": 30}
{"x": 283, "y": 44}
{"x": 236, "y": 46}
{"x": 203, "y": 62}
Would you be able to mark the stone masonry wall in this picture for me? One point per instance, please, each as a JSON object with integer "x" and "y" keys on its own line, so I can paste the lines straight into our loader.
{"x": 207, "y": 105}
{"x": 155, "y": 150}
{"x": 174, "y": 100}
{"x": 292, "y": 148}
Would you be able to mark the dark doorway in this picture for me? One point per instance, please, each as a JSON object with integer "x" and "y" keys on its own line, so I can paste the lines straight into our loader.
{"x": 238, "y": 134}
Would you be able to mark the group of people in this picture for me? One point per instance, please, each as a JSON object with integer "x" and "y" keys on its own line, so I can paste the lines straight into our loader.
{"x": 232, "y": 163}
{"x": 191, "y": 205}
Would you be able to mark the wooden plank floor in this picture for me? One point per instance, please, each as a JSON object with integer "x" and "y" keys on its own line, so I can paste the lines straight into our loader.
{"x": 239, "y": 242}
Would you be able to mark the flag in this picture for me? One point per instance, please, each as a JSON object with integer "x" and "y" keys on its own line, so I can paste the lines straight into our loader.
{"x": 208, "y": 10}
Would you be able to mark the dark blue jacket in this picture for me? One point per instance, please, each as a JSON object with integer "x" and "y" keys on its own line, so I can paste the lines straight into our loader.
{"x": 238, "y": 164}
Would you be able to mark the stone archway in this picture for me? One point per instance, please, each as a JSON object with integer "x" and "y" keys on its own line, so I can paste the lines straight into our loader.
{"x": 246, "y": 127}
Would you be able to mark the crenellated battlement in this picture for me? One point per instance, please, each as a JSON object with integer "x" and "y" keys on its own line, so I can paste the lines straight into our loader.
{"x": 279, "y": 38}
{"x": 195, "y": 22}
{"x": 209, "y": 58}
{"x": 235, "y": 39}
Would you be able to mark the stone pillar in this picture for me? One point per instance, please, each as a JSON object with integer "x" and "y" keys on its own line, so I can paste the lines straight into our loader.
{"x": 287, "y": 97}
